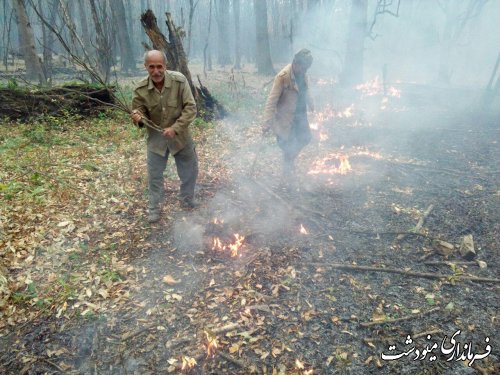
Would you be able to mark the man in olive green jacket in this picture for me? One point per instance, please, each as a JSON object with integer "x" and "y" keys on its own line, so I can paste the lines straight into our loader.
{"x": 165, "y": 99}
{"x": 286, "y": 109}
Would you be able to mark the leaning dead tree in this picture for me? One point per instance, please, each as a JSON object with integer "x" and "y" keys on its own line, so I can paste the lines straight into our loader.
{"x": 208, "y": 107}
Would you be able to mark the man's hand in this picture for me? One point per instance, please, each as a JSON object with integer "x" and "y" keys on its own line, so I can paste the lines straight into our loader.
{"x": 169, "y": 133}
{"x": 136, "y": 116}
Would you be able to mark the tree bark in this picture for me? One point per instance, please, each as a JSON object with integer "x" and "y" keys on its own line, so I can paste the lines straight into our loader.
{"x": 33, "y": 64}
{"x": 84, "y": 26}
{"x": 176, "y": 57}
{"x": 237, "y": 39}
{"x": 263, "y": 52}
{"x": 126, "y": 55}
{"x": 208, "y": 107}
{"x": 103, "y": 44}
{"x": 222, "y": 13}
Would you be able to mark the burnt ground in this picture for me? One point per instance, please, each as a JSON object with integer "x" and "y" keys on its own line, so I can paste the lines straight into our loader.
{"x": 279, "y": 307}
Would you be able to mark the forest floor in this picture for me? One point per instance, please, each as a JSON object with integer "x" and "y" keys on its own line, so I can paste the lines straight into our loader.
{"x": 266, "y": 276}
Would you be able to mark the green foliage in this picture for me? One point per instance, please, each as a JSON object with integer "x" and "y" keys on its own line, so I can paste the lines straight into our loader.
{"x": 12, "y": 84}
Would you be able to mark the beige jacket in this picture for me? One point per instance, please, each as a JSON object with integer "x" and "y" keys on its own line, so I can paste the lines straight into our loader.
{"x": 173, "y": 107}
{"x": 281, "y": 102}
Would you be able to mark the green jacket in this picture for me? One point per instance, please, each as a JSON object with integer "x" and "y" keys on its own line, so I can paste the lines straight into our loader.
{"x": 173, "y": 107}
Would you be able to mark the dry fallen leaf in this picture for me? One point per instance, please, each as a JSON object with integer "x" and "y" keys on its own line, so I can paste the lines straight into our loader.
{"x": 169, "y": 280}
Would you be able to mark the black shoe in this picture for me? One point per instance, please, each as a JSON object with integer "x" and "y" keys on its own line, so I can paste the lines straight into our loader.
{"x": 189, "y": 203}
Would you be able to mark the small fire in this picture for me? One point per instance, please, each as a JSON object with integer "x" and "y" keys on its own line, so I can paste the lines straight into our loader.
{"x": 188, "y": 362}
{"x": 211, "y": 344}
{"x": 375, "y": 87}
{"x": 303, "y": 230}
{"x": 233, "y": 247}
{"x": 218, "y": 221}
{"x": 324, "y": 166}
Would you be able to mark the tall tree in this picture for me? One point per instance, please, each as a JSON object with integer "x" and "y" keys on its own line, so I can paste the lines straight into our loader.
{"x": 192, "y": 7}
{"x": 82, "y": 16}
{"x": 237, "y": 39}
{"x": 48, "y": 38}
{"x": 353, "y": 64}
{"x": 263, "y": 51}
{"x": 33, "y": 64}
{"x": 222, "y": 15}
{"x": 127, "y": 59}
{"x": 104, "y": 53}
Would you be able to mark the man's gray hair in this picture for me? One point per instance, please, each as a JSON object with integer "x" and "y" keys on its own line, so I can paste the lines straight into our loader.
{"x": 147, "y": 53}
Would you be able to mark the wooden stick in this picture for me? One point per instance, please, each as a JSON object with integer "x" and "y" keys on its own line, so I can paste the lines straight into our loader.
{"x": 449, "y": 263}
{"x": 397, "y": 320}
{"x": 420, "y": 222}
{"x": 406, "y": 273}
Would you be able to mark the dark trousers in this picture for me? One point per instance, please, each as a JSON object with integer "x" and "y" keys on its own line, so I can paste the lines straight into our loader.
{"x": 299, "y": 137}
{"x": 186, "y": 163}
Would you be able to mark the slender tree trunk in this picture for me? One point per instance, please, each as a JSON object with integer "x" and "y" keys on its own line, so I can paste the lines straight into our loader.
{"x": 192, "y": 8}
{"x": 103, "y": 45}
{"x": 207, "y": 61}
{"x": 82, "y": 16}
{"x": 353, "y": 65}
{"x": 263, "y": 52}
{"x": 237, "y": 39}
{"x": 33, "y": 64}
{"x": 126, "y": 55}
{"x": 223, "y": 57}
{"x": 48, "y": 38}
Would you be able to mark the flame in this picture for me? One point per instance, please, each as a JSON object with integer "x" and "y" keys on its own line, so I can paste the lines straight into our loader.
{"x": 218, "y": 221}
{"x": 303, "y": 230}
{"x": 374, "y": 87}
{"x": 211, "y": 344}
{"x": 233, "y": 247}
{"x": 188, "y": 363}
{"x": 324, "y": 166}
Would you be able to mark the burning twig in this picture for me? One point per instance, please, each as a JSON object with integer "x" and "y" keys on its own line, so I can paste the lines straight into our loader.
{"x": 212, "y": 343}
{"x": 188, "y": 362}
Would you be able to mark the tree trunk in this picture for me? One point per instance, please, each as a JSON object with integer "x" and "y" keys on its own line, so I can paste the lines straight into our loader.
{"x": 222, "y": 13}
{"x": 176, "y": 57}
{"x": 82, "y": 16}
{"x": 352, "y": 73}
{"x": 207, "y": 61}
{"x": 263, "y": 52}
{"x": 192, "y": 8}
{"x": 208, "y": 107}
{"x": 237, "y": 39}
{"x": 48, "y": 38}
{"x": 103, "y": 44}
{"x": 126, "y": 55}
{"x": 33, "y": 65}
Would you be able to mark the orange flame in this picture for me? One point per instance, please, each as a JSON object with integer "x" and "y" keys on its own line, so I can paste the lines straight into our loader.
{"x": 188, "y": 363}
{"x": 303, "y": 230}
{"x": 211, "y": 345}
{"x": 324, "y": 166}
{"x": 233, "y": 247}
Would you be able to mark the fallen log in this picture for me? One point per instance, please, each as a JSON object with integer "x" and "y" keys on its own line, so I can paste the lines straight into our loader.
{"x": 22, "y": 104}
{"x": 406, "y": 273}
